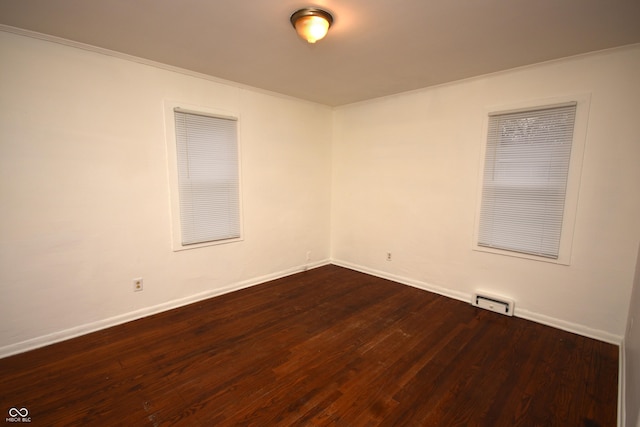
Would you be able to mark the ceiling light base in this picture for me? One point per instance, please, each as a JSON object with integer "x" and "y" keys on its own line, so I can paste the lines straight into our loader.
{"x": 311, "y": 23}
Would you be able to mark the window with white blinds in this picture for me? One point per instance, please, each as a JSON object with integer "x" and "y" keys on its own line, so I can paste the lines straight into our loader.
{"x": 525, "y": 180}
{"x": 208, "y": 177}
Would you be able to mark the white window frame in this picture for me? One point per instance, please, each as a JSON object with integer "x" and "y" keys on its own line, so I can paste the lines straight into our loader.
{"x": 573, "y": 180}
{"x": 170, "y": 106}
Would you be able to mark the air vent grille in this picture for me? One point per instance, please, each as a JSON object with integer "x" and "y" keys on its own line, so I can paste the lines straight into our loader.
{"x": 495, "y": 303}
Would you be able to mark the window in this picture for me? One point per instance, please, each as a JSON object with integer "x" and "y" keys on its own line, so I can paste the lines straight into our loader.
{"x": 205, "y": 178}
{"x": 524, "y": 209}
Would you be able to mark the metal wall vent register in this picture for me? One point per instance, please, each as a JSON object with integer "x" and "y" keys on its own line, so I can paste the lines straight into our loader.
{"x": 495, "y": 303}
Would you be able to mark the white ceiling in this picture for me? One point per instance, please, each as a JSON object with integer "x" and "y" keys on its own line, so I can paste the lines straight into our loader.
{"x": 375, "y": 47}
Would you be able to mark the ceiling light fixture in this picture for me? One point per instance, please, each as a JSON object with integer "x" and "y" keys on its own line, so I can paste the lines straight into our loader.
{"x": 311, "y": 23}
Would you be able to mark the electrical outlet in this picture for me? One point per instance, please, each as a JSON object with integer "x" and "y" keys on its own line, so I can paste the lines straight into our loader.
{"x": 388, "y": 256}
{"x": 137, "y": 284}
{"x": 308, "y": 256}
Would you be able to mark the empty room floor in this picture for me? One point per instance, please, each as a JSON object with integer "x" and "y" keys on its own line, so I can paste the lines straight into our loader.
{"x": 326, "y": 347}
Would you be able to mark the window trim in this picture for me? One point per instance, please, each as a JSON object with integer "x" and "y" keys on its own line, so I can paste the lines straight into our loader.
{"x": 170, "y": 106}
{"x": 583, "y": 102}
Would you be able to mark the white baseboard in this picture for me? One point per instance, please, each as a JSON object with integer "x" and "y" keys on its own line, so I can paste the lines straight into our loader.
{"x": 575, "y": 328}
{"x": 58, "y": 336}
{"x": 405, "y": 281}
{"x": 622, "y": 366}
{"x": 77, "y": 331}
{"x": 462, "y": 296}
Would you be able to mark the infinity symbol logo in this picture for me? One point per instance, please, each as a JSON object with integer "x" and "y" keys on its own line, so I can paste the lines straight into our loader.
{"x": 15, "y": 412}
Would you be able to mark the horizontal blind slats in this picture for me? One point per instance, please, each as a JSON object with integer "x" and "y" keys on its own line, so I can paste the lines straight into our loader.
{"x": 207, "y": 177}
{"x": 524, "y": 182}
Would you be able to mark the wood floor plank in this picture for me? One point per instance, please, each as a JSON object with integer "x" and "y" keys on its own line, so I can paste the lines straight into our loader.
{"x": 327, "y": 347}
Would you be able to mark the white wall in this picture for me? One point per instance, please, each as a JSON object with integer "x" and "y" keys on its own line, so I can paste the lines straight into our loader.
{"x": 85, "y": 203}
{"x": 84, "y": 190}
{"x": 632, "y": 355}
{"x": 406, "y": 180}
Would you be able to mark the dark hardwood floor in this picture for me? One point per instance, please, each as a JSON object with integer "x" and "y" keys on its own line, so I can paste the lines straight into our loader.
{"x": 326, "y": 347}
